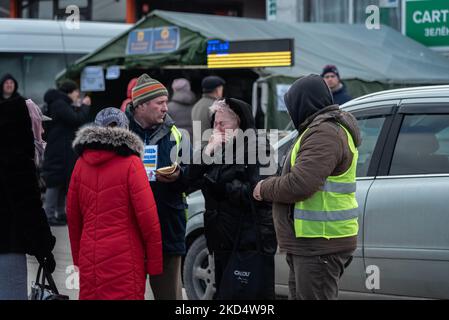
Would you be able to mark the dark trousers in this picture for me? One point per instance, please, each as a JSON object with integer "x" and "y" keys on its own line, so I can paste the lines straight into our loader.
{"x": 167, "y": 286}
{"x": 316, "y": 277}
{"x": 55, "y": 199}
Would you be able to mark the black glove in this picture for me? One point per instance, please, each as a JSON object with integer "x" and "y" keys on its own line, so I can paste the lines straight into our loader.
{"x": 48, "y": 262}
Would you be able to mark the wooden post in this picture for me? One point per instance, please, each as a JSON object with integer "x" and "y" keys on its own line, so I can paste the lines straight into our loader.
{"x": 130, "y": 11}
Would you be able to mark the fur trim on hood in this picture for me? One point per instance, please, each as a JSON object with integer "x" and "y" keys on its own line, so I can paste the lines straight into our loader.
{"x": 122, "y": 141}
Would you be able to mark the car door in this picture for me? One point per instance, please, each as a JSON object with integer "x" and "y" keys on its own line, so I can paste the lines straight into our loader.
{"x": 374, "y": 122}
{"x": 406, "y": 233}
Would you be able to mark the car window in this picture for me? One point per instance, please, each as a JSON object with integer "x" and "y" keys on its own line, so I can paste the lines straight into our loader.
{"x": 369, "y": 129}
{"x": 422, "y": 146}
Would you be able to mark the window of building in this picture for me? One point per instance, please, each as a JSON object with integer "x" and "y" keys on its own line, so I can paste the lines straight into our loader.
{"x": 388, "y": 16}
{"x": 346, "y": 11}
{"x": 46, "y": 10}
{"x": 335, "y": 11}
{"x": 4, "y": 8}
{"x": 50, "y": 9}
{"x": 85, "y": 7}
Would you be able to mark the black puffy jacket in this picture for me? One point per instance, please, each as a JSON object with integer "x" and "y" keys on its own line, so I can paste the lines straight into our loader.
{"x": 59, "y": 157}
{"x": 23, "y": 224}
{"x": 228, "y": 189}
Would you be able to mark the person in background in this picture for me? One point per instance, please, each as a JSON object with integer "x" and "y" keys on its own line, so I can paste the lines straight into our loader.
{"x": 181, "y": 104}
{"x": 8, "y": 87}
{"x": 131, "y": 85}
{"x": 113, "y": 223}
{"x": 331, "y": 76}
{"x": 23, "y": 225}
{"x": 59, "y": 157}
{"x": 213, "y": 87}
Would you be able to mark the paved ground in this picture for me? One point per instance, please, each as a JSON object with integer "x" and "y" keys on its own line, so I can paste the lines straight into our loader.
{"x": 64, "y": 281}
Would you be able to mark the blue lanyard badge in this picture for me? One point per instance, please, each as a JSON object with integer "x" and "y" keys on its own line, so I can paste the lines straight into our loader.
{"x": 150, "y": 161}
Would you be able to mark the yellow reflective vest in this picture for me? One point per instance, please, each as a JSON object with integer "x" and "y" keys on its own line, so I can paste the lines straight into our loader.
{"x": 331, "y": 212}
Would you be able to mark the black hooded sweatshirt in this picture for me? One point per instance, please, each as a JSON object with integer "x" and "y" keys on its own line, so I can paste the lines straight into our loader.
{"x": 15, "y": 94}
{"x": 59, "y": 158}
{"x": 307, "y": 96}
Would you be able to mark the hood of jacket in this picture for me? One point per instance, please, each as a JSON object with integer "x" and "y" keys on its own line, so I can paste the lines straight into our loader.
{"x": 334, "y": 113}
{"x": 53, "y": 95}
{"x": 243, "y": 110}
{"x": 186, "y": 97}
{"x": 91, "y": 142}
{"x": 16, "y": 85}
{"x": 307, "y": 96}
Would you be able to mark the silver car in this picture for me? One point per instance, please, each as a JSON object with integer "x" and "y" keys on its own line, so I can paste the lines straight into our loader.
{"x": 402, "y": 189}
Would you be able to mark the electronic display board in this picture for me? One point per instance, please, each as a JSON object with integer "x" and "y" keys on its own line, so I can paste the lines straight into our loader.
{"x": 250, "y": 54}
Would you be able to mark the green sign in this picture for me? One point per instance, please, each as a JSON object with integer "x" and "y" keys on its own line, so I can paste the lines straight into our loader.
{"x": 427, "y": 21}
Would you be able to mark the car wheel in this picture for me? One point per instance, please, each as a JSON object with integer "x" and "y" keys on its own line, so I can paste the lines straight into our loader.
{"x": 199, "y": 278}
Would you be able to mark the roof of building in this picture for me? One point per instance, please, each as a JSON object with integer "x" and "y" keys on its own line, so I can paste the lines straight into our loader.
{"x": 383, "y": 55}
{"x": 51, "y": 36}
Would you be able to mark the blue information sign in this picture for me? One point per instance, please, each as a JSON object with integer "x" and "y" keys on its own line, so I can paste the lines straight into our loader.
{"x": 165, "y": 39}
{"x": 154, "y": 40}
{"x": 139, "y": 42}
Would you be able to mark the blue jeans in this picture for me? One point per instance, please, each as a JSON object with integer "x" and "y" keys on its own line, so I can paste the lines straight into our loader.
{"x": 13, "y": 276}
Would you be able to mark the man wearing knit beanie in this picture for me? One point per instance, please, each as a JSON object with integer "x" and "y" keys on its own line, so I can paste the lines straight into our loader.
{"x": 147, "y": 89}
{"x": 331, "y": 76}
{"x": 151, "y": 122}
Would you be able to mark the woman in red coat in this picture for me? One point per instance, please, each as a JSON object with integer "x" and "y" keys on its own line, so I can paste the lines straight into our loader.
{"x": 112, "y": 217}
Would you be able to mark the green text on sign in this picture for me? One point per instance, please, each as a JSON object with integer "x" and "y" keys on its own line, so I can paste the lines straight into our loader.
{"x": 427, "y": 21}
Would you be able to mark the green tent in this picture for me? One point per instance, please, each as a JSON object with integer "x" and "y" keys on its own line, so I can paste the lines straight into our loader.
{"x": 368, "y": 60}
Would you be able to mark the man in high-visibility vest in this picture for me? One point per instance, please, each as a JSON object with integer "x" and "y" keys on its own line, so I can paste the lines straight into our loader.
{"x": 315, "y": 211}
{"x": 164, "y": 145}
